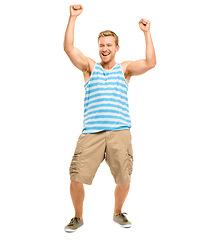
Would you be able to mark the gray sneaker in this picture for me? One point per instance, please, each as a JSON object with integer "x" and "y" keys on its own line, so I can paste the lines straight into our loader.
{"x": 122, "y": 220}
{"x": 74, "y": 224}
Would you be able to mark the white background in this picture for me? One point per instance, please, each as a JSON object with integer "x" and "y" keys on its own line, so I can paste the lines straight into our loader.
{"x": 173, "y": 111}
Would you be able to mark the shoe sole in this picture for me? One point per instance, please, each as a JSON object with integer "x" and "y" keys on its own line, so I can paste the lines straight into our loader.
{"x": 123, "y": 226}
{"x": 69, "y": 230}
{"x": 72, "y": 230}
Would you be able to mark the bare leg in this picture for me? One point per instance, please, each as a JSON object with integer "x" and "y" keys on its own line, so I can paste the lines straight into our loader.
{"x": 121, "y": 192}
{"x": 77, "y": 195}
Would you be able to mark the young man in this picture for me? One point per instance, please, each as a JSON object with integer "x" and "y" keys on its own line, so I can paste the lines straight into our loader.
{"x": 106, "y": 133}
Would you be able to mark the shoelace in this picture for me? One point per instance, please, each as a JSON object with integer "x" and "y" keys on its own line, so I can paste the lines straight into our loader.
{"x": 73, "y": 220}
{"x": 122, "y": 215}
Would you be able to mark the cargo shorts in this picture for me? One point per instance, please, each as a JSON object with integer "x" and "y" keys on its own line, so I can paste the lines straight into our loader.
{"x": 113, "y": 146}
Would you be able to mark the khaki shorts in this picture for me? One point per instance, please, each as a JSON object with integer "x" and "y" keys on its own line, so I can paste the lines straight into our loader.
{"x": 113, "y": 146}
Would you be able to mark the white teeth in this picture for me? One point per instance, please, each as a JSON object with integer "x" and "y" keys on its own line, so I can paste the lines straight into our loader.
{"x": 105, "y": 54}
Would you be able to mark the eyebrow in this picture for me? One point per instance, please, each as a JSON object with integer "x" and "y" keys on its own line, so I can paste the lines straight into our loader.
{"x": 104, "y": 44}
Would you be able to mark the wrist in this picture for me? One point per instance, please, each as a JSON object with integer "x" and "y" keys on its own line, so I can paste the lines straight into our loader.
{"x": 147, "y": 32}
{"x": 72, "y": 17}
{"x": 147, "y": 35}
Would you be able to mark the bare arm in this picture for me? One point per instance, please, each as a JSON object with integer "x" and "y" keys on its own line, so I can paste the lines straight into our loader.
{"x": 76, "y": 56}
{"x": 141, "y": 66}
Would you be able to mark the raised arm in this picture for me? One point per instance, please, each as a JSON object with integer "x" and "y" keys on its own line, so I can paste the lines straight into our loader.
{"x": 133, "y": 68}
{"x": 76, "y": 56}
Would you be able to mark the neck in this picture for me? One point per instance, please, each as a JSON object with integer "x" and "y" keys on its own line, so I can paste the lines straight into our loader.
{"x": 108, "y": 66}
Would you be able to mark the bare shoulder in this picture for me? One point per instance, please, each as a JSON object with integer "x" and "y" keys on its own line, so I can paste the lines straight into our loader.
{"x": 124, "y": 65}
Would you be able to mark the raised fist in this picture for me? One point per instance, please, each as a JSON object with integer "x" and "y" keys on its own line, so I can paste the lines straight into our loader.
{"x": 144, "y": 25}
{"x": 75, "y": 10}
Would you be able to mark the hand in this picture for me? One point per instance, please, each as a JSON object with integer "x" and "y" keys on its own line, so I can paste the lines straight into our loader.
{"x": 75, "y": 10}
{"x": 144, "y": 25}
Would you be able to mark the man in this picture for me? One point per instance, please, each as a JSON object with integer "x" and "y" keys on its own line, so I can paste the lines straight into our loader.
{"x": 106, "y": 133}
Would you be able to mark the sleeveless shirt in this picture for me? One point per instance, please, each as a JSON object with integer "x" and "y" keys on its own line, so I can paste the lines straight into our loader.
{"x": 106, "y": 103}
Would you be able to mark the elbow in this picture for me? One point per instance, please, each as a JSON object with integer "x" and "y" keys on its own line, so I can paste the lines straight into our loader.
{"x": 64, "y": 48}
{"x": 152, "y": 64}
{"x": 67, "y": 49}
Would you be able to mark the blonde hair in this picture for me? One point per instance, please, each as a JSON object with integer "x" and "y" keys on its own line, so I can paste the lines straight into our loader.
{"x": 107, "y": 33}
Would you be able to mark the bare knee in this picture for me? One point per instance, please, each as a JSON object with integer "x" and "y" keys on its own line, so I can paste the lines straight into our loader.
{"x": 124, "y": 187}
{"x": 76, "y": 185}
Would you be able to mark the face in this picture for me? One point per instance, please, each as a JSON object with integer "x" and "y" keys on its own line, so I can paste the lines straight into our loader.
{"x": 107, "y": 48}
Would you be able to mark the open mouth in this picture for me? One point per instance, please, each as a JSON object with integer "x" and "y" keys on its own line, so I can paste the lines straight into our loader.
{"x": 105, "y": 54}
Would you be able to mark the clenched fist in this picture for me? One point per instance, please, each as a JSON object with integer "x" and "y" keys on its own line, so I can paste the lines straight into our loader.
{"x": 75, "y": 10}
{"x": 144, "y": 25}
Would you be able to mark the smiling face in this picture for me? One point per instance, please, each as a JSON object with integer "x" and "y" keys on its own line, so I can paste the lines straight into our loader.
{"x": 107, "y": 49}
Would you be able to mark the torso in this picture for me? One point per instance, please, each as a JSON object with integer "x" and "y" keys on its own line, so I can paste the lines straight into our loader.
{"x": 106, "y": 102}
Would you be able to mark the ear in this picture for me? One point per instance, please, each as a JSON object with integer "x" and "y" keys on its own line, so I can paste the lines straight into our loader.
{"x": 117, "y": 48}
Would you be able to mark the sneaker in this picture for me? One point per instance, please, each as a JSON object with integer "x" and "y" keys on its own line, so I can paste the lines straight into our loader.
{"x": 74, "y": 225}
{"x": 122, "y": 220}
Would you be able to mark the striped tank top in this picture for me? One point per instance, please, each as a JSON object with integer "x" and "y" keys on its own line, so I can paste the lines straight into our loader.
{"x": 106, "y": 103}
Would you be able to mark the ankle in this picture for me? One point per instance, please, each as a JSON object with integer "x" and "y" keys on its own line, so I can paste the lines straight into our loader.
{"x": 78, "y": 216}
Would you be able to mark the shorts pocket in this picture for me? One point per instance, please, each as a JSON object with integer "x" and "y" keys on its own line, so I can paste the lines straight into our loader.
{"x": 75, "y": 160}
{"x": 130, "y": 160}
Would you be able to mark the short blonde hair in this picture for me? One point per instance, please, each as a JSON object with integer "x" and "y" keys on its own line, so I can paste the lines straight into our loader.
{"x": 107, "y": 33}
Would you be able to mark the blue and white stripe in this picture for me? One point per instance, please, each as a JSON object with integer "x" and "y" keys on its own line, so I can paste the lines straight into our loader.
{"x": 106, "y": 103}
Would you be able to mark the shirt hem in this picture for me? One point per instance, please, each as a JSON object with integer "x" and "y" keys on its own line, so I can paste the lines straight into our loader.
{"x": 105, "y": 129}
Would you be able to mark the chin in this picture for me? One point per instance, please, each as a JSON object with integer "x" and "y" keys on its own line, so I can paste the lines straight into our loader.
{"x": 106, "y": 60}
